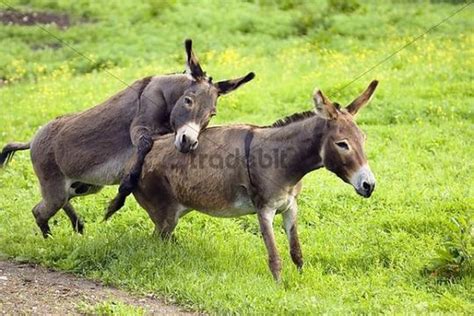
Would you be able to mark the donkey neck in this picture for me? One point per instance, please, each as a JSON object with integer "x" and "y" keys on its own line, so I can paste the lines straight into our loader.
{"x": 298, "y": 146}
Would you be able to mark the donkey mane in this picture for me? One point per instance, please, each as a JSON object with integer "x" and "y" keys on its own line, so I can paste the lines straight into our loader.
{"x": 296, "y": 117}
{"x": 175, "y": 73}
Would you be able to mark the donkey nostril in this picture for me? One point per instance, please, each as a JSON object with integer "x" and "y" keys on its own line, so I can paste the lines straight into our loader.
{"x": 183, "y": 139}
{"x": 194, "y": 145}
{"x": 366, "y": 186}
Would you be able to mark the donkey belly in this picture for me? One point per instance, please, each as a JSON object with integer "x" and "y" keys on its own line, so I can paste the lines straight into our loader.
{"x": 240, "y": 204}
{"x": 100, "y": 161}
{"x": 110, "y": 172}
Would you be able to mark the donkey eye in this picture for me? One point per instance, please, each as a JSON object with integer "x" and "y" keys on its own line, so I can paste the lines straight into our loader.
{"x": 188, "y": 101}
{"x": 343, "y": 145}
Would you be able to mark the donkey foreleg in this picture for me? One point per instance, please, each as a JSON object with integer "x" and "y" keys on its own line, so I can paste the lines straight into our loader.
{"x": 265, "y": 219}
{"x": 290, "y": 225}
{"x": 144, "y": 144}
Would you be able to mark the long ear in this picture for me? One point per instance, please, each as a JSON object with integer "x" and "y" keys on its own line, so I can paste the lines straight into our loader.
{"x": 227, "y": 86}
{"x": 324, "y": 107}
{"x": 193, "y": 67}
{"x": 363, "y": 99}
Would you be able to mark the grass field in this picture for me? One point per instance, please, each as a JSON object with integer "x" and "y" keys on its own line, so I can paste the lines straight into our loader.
{"x": 407, "y": 249}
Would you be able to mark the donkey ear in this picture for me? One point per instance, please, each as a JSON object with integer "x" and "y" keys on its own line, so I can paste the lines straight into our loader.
{"x": 193, "y": 67}
{"x": 324, "y": 107}
{"x": 363, "y": 99}
{"x": 227, "y": 86}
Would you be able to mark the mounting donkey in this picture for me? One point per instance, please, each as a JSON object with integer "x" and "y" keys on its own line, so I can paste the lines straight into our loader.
{"x": 78, "y": 154}
{"x": 216, "y": 180}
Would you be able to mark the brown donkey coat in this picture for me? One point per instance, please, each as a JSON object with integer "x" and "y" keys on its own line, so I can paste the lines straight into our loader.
{"x": 243, "y": 169}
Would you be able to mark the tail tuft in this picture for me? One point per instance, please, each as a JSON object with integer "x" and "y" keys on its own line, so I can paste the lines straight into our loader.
{"x": 9, "y": 150}
{"x": 125, "y": 189}
{"x": 116, "y": 204}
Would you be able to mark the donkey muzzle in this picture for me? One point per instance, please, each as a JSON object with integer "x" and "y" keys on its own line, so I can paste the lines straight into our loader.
{"x": 186, "y": 138}
{"x": 363, "y": 181}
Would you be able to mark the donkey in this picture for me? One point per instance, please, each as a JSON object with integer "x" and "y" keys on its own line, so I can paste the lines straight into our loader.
{"x": 78, "y": 154}
{"x": 266, "y": 179}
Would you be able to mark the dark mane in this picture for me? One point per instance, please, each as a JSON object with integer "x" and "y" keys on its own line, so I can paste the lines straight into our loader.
{"x": 292, "y": 118}
{"x": 175, "y": 73}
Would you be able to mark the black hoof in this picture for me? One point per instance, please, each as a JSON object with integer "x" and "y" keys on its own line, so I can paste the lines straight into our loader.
{"x": 300, "y": 268}
{"x": 78, "y": 227}
{"x": 45, "y": 231}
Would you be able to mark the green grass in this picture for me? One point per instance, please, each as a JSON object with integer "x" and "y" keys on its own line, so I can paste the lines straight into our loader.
{"x": 110, "y": 308}
{"x": 361, "y": 256}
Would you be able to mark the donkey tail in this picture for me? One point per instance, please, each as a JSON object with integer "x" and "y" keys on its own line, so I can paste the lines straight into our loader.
{"x": 9, "y": 150}
{"x": 115, "y": 205}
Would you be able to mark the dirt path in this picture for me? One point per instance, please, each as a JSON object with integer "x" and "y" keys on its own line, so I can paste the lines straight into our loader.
{"x": 30, "y": 289}
{"x": 10, "y": 17}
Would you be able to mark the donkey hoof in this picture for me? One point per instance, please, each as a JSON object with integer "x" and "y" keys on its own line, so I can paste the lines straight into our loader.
{"x": 45, "y": 230}
{"x": 46, "y": 233}
{"x": 79, "y": 227}
{"x": 170, "y": 238}
{"x": 277, "y": 279}
{"x": 165, "y": 236}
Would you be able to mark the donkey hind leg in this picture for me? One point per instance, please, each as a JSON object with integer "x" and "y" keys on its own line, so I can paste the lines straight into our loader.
{"x": 78, "y": 189}
{"x": 130, "y": 181}
{"x": 76, "y": 221}
{"x": 56, "y": 195}
{"x": 46, "y": 209}
{"x": 165, "y": 223}
{"x": 165, "y": 217}
{"x": 168, "y": 224}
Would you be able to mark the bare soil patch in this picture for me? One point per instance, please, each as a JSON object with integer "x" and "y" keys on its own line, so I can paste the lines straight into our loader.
{"x": 10, "y": 17}
{"x": 31, "y": 289}
{"x": 53, "y": 46}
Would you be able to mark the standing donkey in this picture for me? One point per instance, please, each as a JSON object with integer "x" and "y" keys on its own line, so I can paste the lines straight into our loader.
{"x": 217, "y": 181}
{"x": 78, "y": 154}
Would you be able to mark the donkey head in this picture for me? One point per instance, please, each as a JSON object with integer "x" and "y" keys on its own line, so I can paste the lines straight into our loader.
{"x": 342, "y": 150}
{"x": 195, "y": 108}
